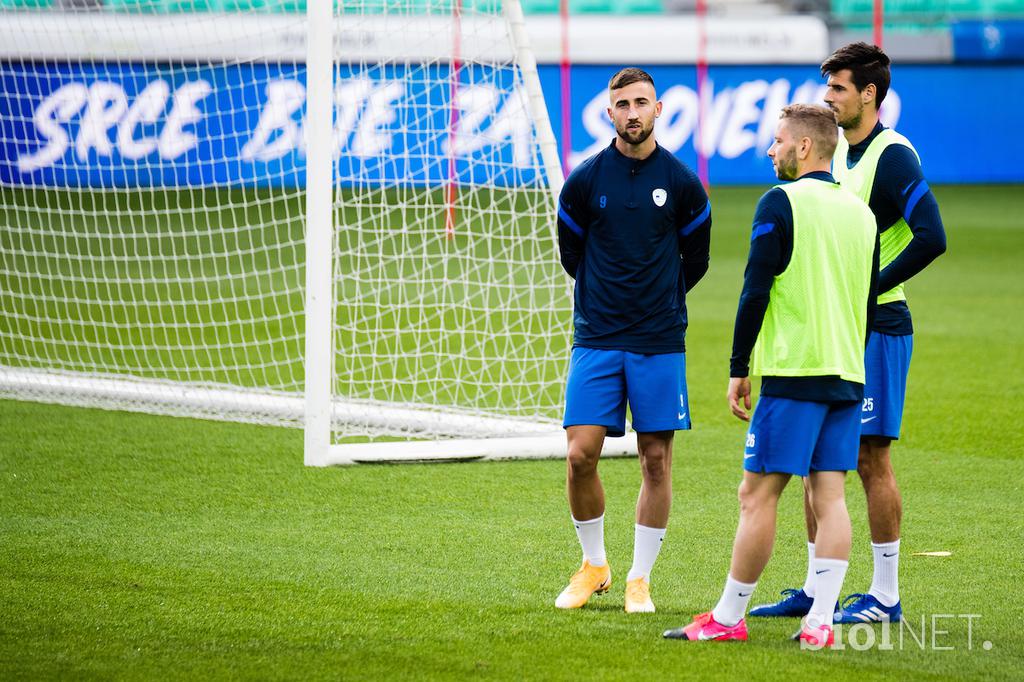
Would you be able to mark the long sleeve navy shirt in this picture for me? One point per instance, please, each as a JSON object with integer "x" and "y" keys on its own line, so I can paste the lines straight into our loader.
{"x": 636, "y": 236}
{"x": 771, "y": 248}
{"x": 900, "y": 191}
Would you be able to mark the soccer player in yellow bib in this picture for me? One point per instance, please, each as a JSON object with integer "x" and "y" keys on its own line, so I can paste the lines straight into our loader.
{"x": 801, "y": 325}
{"x": 882, "y": 168}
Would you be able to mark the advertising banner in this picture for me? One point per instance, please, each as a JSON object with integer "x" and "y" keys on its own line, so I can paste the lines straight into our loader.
{"x": 105, "y": 124}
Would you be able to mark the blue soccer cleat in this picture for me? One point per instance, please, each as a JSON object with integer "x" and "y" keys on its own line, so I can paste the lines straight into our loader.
{"x": 794, "y": 604}
{"x": 864, "y": 608}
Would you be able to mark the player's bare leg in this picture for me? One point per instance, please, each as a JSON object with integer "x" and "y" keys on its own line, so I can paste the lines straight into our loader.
{"x": 755, "y": 534}
{"x": 810, "y": 581}
{"x": 828, "y": 502}
{"x": 812, "y": 525}
{"x": 827, "y": 495}
{"x": 885, "y": 514}
{"x": 586, "y": 502}
{"x": 652, "y": 510}
{"x": 655, "y": 501}
{"x": 885, "y": 504}
{"x": 796, "y": 602}
{"x": 586, "y": 495}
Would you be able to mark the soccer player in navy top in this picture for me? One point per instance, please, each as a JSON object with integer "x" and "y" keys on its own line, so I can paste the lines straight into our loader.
{"x": 882, "y": 167}
{"x": 634, "y": 230}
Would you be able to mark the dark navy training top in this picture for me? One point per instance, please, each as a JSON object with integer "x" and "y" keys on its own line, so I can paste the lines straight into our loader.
{"x": 635, "y": 234}
{"x": 771, "y": 248}
{"x": 900, "y": 191}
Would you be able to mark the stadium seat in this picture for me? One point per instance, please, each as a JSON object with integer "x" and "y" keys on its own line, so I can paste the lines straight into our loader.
{"x": 445, "y": 6}
{"x": 924, "y": 9}
{"x": 590, "y": 6}
{"x": 134, "y": 5}
{"x": 983, "y": 9}
{"x": 237, "y": 5}
{"x": 892, "y": 7}
{"x": 638, "y": 7}
{"x": 962, "y": 7}
{"x": 26, "y": 4}
{"x": 161, "y": 6}
{"x": 1007, "y": 8}
{"x": 903, "y": 15}
{"x": 361, "y": 6}
{"x": 421, "y": 6}
{"x": 188, "y": 6}
{"x": 285, "y": 6}
{"x": 541, "y": 6}
{"x": 929, "y": 11}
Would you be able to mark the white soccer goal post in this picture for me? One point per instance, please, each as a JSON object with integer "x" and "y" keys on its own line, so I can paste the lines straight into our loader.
{"x": 340, "y": 219}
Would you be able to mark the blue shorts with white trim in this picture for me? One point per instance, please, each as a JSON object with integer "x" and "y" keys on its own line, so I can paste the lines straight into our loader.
{"x": 799, "y": 436}
{"x": 886, "y": 365}
{"x": 601, "y": 383}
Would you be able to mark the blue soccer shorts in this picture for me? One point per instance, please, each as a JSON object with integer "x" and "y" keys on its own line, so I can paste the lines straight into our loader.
{"x": 799, "y": 436}
{"x": 601, "y": 383}
{"x": 886, "y": 365}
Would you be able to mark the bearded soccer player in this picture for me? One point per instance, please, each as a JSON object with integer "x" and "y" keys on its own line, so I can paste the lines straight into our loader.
{"x": 882, "y": 168}
{"x": 634, "y": 231}
{"x": 801, "y": 324}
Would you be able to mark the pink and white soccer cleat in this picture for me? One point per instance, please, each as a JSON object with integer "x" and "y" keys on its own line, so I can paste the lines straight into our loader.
{"x": 705, "y": 627}
{"x": 820, "y": 637}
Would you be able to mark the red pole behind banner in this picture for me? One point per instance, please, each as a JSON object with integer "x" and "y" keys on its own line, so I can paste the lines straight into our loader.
{"x": 565, "y": 70}
{"x": 453, "y": 121}
{"x": 877, "y": 21}
{"x": 702, "y": 76}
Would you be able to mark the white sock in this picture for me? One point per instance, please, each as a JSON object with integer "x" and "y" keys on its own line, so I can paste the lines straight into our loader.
{"x": 885, "y": 582}
{"x": 809, "y": 580}
{"x": 733, "y": 605}
{"x": 646, "y": 545}
{"x": 829, "y": 574}
{"x": 591, "y": 535}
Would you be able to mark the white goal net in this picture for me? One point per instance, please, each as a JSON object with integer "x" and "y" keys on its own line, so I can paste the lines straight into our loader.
{"x": 160, "y": 161}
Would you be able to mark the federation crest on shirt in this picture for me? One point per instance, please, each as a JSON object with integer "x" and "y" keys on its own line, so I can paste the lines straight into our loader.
{"x": 659, "y": 195}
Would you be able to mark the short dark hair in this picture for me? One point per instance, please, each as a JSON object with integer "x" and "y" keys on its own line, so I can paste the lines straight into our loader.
{"x": 816, "y": 122}
{"x": 867, "y": 64}
{"x": 628, "y": 76}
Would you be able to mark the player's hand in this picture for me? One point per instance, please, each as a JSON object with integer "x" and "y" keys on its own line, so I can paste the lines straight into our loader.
{"x": 739, "y": 387}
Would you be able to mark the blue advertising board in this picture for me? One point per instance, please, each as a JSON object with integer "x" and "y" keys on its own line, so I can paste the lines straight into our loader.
{"x": 962, "y": 119}
{"x": 988, "y": 41}
{"x": 144, "y": 124}
{"x": 135, "y": 124}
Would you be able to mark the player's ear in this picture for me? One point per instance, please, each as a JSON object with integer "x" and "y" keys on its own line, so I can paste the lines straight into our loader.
{"x": 609, "y": 112}
{"x": 657, "y": 109}
{"x": 805, "y": 147}
{"x": 868, "y": 93}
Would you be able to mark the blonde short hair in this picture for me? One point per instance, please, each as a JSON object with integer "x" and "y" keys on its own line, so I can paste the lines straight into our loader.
{"x": 816, "y": 122}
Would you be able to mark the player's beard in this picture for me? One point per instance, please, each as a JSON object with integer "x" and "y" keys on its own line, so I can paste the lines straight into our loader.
{"x": 851, "y": 121}
{"x": 786, "y": 167}
{"x": 635, "y": 137}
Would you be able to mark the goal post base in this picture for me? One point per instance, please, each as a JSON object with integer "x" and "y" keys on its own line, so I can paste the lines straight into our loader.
{"x": 547, "y": 446}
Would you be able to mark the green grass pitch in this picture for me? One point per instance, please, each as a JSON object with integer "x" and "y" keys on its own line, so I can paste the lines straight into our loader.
{"x": 140, "y": 547}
